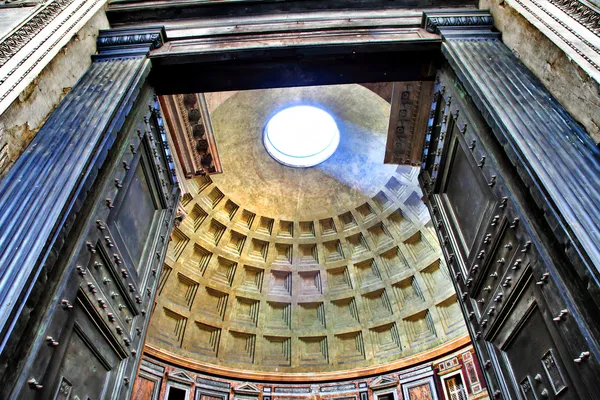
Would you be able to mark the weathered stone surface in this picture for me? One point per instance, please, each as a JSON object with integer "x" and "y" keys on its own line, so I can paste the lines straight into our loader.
{"x": 20, "y": 123}
{"x": 572, "y": 87}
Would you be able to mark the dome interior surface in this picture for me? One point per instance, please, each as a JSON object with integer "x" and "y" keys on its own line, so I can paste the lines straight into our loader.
{"x": 297, "y": 270}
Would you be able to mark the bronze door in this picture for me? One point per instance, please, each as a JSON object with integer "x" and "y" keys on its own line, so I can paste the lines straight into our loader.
{"x": 97, "y": 322}
{"x": 500, "y": 253}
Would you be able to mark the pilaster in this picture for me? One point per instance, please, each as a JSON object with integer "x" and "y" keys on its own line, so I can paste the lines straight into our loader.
{"x": 46, "y": 187}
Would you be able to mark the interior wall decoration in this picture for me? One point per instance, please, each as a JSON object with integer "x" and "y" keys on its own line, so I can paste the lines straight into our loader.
{"x": 420, "y": 380}
{"x": 191, "y": 131}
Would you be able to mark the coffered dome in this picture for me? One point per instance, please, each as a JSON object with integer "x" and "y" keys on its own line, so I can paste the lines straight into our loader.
{"x": 296, "y": 270}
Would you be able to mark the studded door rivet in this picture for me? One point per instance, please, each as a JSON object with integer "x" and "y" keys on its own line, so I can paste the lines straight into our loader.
{"x": 34, "y": 384}
{"x": 481, "y": 162}
{"x": 543, "y": 279}
{"x": 583, "y": 356}
{"x": 66, "y": 305}
{"x": 495, "y": 220}
{"x": 560, "y": 315}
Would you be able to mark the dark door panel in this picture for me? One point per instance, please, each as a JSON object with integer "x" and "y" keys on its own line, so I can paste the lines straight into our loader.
{"x": 523, "y": 315}
{"x": 90, "y": 345}
{"x": 85, "y": 360}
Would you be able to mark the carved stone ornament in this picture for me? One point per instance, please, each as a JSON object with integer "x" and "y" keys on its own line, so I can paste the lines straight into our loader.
{"x": 408, "y": 121}
{"x": 153, "y": 39}
{"x": 37, "y": 40}
{"x": 570, "y": 24}
{"x": 383, "y": 382}
{"x": 192, "y": 133}
{"x": 23, "y": 35}
{"x": 180, "y": 376}
{"x": 247, "y": 388}
{"x": 586, "y": 14}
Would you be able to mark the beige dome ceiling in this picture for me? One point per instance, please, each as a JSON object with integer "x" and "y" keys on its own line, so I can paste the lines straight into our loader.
{"x": 353, "y": 174}
{"x": 279, "y": 269}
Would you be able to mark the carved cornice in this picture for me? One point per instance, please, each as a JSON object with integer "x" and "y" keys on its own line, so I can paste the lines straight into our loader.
{"x": 192, "y": 134}
{"x": 129, "y": 42}
{"x": 586, "y": 14}
{"x": 34, "y": 25}
{"x": 432, "y": 22}
{"x": 42, "y": 36}
{"x": 555, "y": 19}
{"x": 154, "y": 40}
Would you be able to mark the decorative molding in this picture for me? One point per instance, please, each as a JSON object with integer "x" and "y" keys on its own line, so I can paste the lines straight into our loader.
{"x": 154, "y": 39}
{"x": 113, "y": 38}
{"x": 408, "y": 122}
{"x": 432, "y": 22}
{"x": 424, "y": 388}
{"x": 384, "y": 382}
{"x": 586, "y": 15}
{"x": 192, "y": 133}
{"x": 247, "y": 388}
{"x": 181, "y": 376}
{"x": 573, "y": 25}
{"x": 30, "y": 28}
{"x": 129, "y": 42}
{"x": 42, "y": 46}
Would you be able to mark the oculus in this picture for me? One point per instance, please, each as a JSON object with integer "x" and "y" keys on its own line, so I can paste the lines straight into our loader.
{"x": 301, "y": 136}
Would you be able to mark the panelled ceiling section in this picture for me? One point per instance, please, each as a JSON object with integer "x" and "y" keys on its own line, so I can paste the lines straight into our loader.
{"x": 291, "y": 270}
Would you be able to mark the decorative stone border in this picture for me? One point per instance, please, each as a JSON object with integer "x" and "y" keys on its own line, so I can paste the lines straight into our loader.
{"x": 571, "y": 24}
{"x": 32, "y": 45}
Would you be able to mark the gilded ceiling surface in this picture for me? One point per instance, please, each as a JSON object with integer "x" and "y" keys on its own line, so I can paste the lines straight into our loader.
{"x": 292, "y": 270}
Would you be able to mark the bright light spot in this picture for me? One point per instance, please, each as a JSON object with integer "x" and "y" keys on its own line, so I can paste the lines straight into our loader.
{"x": 301, "y": 136}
